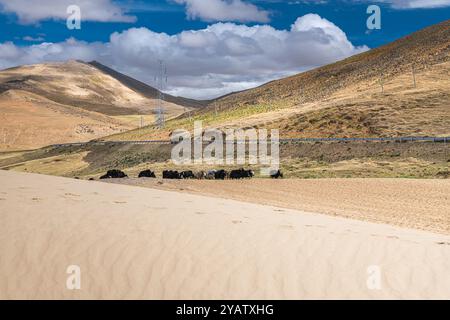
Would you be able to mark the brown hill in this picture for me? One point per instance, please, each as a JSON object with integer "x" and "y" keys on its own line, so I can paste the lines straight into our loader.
{"x": 28, "y": 121}
{"x": 83, "y": 85}
{"x": 370, "y": 94}
{"x": 146, "y": 90}
{"x": 422, "y": 49}
{"x": 71, "y": 102}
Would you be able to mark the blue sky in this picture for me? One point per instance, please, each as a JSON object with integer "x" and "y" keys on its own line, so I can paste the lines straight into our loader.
{"x": 130, "y": 35}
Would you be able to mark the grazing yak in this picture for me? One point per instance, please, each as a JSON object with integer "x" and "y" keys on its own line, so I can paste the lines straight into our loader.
{"x": 147, "y": 174}
{"x": 114, "y": 174}
{"x": 220, "y": 175}
{"x": 276, "y": 174}
{"x": 200, "y": 175}
{"x": 187, "y": 175}
{"x": 211, "y": 175}
{"x": 241, "y": 174}
{"x": 169, "y": 174}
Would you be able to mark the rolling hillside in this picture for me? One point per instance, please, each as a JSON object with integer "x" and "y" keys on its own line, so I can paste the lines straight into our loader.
{"x": 368, "y": 95}
{"x": 71, "y": 102}
{"x": 421, "y": 50}
{"x": 29, "y": 121}
{"x": 146, "y": 90}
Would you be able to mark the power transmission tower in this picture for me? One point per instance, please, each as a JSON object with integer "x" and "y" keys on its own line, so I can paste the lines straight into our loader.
{"x": 188, "y": 112}
{"x": 161, "y": 85}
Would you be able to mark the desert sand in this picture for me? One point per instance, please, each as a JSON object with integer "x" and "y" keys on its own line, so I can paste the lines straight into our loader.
{"x": 412, "y": 203}
{"x": 142, "y": 243}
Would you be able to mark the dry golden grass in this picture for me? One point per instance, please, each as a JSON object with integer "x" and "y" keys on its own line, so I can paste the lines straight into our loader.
{"x": 62, "y": 165}
{"x": 359, "y": 111}
{"x": 366, "y": 168}
{"x": 135, "y": 120}
{"x": 11, "y": 154}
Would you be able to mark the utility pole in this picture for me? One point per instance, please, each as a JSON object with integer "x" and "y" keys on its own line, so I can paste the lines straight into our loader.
{"x": 414, "y": 75}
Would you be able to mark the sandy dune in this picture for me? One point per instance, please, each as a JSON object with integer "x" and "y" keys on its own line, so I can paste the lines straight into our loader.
{"x": 411, "y": 203}
{"x": 135, "y": 242}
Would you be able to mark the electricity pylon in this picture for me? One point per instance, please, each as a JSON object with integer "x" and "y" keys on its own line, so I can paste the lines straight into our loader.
{"x": 161, "y": 80}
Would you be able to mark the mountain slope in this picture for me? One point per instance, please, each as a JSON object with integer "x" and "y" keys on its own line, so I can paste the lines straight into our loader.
{"x": 28, "y": 121}
{"x": 421, "y": 50}
{"x": 82, "y": 85}
{"x": 146, "y": 90}
{"x": 368, "y": 95}
{"x": 70, "y": 102}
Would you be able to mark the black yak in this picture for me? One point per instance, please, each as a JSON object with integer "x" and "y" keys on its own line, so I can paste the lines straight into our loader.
{"x": 276, "y": 174}
{"x": 241, "y": 174}
{"x": 187, "y": 175}
{"x": 114, "y": 174}
{"x": 211, "y": 175}
{"x": 169, "y": 174}
{"x": 220, "y": 175}
{"x": 147, "y": 174}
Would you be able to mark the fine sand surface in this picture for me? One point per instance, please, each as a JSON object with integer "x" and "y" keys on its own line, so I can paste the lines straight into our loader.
{"x": 411, "y": 203}
{"x": 143, "y": 243}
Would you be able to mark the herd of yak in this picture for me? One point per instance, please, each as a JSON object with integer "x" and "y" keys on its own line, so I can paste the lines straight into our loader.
{"x": 210, "y": 175}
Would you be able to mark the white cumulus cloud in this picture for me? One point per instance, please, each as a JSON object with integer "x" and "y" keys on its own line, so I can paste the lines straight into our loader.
{"x": 32, "y": 11}
{"x": 411, "y": 4}
{"x": 417, "y": 4}
{"x": 224, "y": 10}
{"x": 219, "y": 59}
